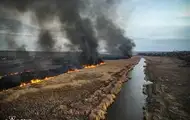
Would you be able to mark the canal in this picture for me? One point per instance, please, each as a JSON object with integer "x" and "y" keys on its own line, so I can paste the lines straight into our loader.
{"x": 130, "y": 101}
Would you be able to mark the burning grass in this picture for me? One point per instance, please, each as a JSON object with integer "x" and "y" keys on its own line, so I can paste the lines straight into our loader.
{"x": 93, "y": 66}
{"x": 34, "y": 81}
{"x": 73, "y": 70}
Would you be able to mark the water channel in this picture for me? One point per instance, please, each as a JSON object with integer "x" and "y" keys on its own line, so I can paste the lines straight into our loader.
{"x": 130, "y": 101}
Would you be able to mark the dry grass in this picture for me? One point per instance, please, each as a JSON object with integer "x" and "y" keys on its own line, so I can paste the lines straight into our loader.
{"x": 170, "y": 89}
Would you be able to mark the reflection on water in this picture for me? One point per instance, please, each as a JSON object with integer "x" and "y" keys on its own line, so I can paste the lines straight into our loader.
{"x": 130, "y": 101}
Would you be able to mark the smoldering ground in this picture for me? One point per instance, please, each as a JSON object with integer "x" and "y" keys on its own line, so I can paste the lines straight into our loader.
{"x": 83, "y": 22}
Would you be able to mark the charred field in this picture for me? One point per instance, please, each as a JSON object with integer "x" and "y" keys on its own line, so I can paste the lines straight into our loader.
{"x": 18, "y": 67}
{"x": 21, "y": 66}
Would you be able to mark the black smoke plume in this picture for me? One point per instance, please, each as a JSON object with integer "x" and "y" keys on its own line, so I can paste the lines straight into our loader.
{"x": 78, "y": 24}
{"x": 45, "y": 41}
{"x": 117, "y": 43}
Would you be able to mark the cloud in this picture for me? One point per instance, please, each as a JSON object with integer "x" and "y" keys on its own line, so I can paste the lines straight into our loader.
{"x": 185, "y": 14}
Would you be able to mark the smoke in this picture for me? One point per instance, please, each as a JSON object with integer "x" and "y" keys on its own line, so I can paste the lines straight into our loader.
{"x": 45, "y": 41}
{"x": 117, "y": 43}
{"x": 83, "y": 22}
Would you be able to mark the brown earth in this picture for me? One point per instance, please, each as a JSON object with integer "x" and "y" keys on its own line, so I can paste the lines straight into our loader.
{"x": 169, "y": 96}
{"x": 74, "y": 96}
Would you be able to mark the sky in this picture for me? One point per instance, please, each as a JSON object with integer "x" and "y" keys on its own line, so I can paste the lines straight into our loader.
{"x": 157, "y": 25}
{"x": 154, "y": 25}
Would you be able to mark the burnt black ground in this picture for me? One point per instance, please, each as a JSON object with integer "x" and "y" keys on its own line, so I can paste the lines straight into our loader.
{"x": 17, "y": 67}
{"x": 22, "y": 66}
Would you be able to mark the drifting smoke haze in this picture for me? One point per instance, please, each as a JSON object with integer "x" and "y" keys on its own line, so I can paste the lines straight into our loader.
{"x": 83, "y": 22}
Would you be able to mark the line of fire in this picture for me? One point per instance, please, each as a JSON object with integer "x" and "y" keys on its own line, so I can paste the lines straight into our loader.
{"x": 30, "y": 76}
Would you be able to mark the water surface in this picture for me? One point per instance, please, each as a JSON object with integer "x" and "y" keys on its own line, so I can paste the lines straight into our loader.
{"x": 130, "y": 101}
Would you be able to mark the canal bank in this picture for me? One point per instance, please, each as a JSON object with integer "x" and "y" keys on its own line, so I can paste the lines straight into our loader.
{"x": 130, "y": 101}
{"x": 169, "y": 95}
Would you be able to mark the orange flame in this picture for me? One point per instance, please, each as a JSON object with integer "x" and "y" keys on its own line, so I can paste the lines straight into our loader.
{"x": 90, "y": 66}
{"x": 93, "y": 66}
{"x": 34, "y": 81}
{"x": 73, "y": 70}
{"x": 102, "y": 63}
{"x": 23, "y": 84}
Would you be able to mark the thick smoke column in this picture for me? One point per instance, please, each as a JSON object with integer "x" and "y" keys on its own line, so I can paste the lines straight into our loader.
{"x": 45, "y": 40}
{"x": 114, "y": 36}
{"x": 82, "y": 35}
{"x": 79, "y": 21}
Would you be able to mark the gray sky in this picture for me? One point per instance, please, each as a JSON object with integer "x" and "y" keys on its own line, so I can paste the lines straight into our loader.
{"x": 157, "y": 25}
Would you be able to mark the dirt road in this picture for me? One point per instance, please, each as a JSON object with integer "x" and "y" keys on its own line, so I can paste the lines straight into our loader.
{"x": 77, "y": 95}
{"x": 169, "y": 96}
